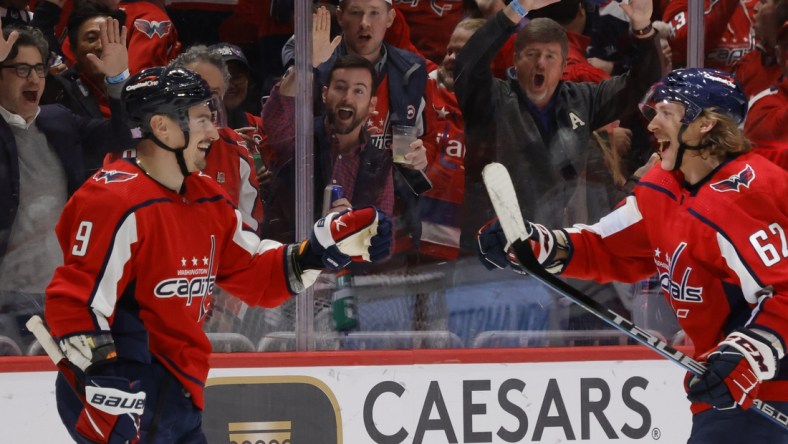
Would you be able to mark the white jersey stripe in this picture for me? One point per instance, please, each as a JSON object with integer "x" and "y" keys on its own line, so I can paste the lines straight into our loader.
{"x": 103, "y": 303}
{"x": 247, "y": 196}
{"x": 620, "y": 219}
{"x": 749, "y": 286}
{"x": 249, "y": 241}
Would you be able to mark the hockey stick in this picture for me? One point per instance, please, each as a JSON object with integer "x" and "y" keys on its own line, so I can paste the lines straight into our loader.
{"x": 36, "y": 326}
{"x": 39, "y": 330}
{"x": 504, "y": 199}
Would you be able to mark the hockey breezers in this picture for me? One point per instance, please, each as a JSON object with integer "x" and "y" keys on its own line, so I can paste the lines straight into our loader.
{"x": 504, "y": 199}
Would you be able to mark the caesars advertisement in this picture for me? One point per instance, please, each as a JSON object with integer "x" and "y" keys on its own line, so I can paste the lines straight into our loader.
{"x": 566, "y": 402}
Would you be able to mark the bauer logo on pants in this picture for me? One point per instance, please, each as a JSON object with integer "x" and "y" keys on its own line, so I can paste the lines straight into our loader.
{"x": 282, "y": 410}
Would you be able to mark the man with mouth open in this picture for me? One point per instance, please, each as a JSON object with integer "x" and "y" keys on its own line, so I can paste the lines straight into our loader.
{"x": 712, "y": 220}
{"x": 144, "y": 242}
{"x": 534, "y": 121}
{"x": 347, "y": 152}
{"x": 42, "y": 152}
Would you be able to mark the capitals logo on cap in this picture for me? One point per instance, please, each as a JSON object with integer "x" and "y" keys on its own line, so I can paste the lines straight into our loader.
{"x": 743, "y": 179}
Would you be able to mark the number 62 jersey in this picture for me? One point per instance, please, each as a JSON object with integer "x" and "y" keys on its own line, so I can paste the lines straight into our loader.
{"x": 720, "y": 248}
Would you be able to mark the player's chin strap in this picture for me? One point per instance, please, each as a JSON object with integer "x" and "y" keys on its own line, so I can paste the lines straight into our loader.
{"x": 684, "y": 147}
{"x": 177, "y": 151}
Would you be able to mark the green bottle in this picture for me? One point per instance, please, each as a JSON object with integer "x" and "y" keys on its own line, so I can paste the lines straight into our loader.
{"x": 344, "y": 310}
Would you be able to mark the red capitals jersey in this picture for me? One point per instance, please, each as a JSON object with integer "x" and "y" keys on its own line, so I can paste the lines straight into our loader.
{"x": 152, "y": 39}
{"x": 728, "y": 31}
{"x": 431, "y": 24}
{"x": 229, "y": 162}
{"x": 754, "y": 75}
{"x": 445, "y": 143}
{"x": 766, "y": 124}
{"x": 231, "y": 165}
{"x": 141, "y": 261}
{"x": 720, "y": 248}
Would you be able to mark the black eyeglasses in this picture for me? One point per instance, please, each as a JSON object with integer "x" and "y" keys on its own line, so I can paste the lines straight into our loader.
{"x": 23, "y": 69}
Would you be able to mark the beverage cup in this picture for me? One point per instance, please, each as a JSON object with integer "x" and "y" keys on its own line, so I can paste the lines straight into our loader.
{"x": 402, "y": 137}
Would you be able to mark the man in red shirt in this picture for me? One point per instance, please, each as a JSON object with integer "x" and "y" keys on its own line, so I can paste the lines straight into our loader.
{"x": 711, "y": 220}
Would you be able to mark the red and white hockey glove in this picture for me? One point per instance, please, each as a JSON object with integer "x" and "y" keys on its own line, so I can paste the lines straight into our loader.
{"x": 545, "y": 243}
{"x": 112, "y": 411}
{"x": 351, "y": 235}
{"x": 112, "y": 405}
{"x": 735, "y": 370}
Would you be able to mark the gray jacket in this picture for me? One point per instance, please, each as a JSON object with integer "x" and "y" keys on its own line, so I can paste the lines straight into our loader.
{"x": 549, "y": 170}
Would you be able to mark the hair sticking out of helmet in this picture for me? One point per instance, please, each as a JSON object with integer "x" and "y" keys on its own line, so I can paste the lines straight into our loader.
{"x": 159, "y": 90}
{"x": 698, "y": 89}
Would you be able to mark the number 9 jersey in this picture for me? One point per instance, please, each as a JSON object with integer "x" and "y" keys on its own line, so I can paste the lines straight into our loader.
{"x": 141, "y": 260}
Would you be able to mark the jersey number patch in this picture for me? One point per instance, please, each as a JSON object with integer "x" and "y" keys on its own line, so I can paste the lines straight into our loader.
{"x": 765, "y": 247}
{"x": 83, "y": 238}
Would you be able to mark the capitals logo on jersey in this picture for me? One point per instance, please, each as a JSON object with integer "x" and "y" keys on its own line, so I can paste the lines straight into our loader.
{"x": 151, "y": 28}
{"x": 673, "y": 282}
{"x": 734, "y": 183}
{"x": 113, "y": 176}
{"x": 194, "y": 280}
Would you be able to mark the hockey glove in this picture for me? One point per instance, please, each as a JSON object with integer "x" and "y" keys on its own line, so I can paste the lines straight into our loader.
{"x": 112, "y": 411}
{"x": 112, "y": 405}
{"x": 351, "y": 235}
{"x": 735, "y": 370}
{"x": 493, "y": 247}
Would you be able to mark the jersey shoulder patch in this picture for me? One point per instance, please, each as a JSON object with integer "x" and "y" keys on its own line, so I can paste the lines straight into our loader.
{"x": 113, "y": 176}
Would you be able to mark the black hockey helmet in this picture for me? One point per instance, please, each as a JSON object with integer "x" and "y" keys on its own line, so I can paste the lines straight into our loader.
{"x": 698, "y": 89}
{"x": 160, "y": 90}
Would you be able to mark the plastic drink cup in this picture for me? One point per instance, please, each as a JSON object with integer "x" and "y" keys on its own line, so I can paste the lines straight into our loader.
{"x": 402, "y": 137}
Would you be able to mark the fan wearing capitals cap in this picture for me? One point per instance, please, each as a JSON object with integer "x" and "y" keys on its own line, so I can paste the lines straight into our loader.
{"x": 712, "y": 219}
{"x": 144, "y": 242}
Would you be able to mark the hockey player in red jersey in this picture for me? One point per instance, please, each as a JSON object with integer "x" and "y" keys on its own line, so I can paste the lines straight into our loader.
{"x": 712, "y": 220}
{"x": 144, "y": 241}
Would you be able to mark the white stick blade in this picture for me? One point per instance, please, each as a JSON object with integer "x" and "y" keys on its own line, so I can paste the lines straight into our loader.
{"x": 504, "y": 199}
{"x": 36, "y": 326}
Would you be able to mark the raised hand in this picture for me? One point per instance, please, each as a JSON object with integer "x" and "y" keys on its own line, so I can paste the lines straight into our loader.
{"x": 6, "y": 45}
{"x": 639, "y": 12}
{"x": 114, "y": 55}
{"x": 322, "y": 46}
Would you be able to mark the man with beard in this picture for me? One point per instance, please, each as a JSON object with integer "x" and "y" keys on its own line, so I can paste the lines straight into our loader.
{"x": 344, "y": 153}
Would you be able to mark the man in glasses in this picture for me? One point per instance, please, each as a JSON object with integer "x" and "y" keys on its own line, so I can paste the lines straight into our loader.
{"x": 41, "y": 164}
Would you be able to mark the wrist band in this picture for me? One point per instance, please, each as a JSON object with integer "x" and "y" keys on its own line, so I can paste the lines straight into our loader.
{"x": 644, "y": 31}
{"x": 518, "y": 8}
{"x": 120, "y": 78}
